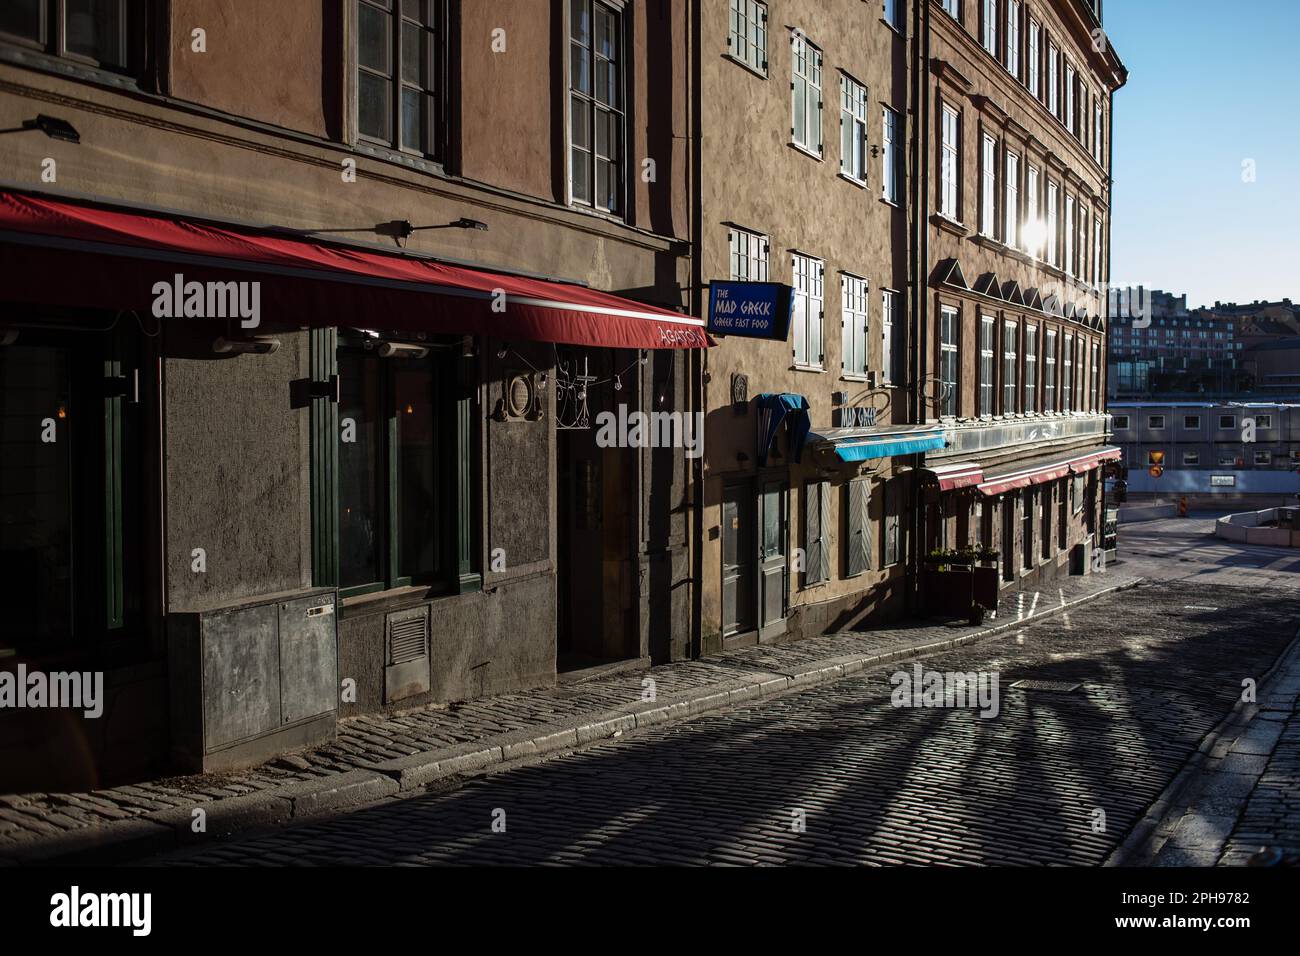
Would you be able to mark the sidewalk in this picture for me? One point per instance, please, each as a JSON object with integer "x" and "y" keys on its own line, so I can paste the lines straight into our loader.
{"x": 380, "y": 756}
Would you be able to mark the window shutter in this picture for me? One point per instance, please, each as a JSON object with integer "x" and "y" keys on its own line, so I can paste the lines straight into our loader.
{"x": 859, "y": 543}
{"x": 824, "y": 538}
{"x": 812, "y": 516}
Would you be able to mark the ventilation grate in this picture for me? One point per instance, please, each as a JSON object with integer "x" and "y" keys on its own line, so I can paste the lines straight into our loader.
{"x": 407, "y": 640}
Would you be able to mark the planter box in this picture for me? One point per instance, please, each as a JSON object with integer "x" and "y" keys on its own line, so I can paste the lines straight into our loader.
{"x": 987, "y": 586}
{"x": 949, "y": 590}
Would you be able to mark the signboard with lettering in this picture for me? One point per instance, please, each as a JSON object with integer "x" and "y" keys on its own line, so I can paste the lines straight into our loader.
{"x": 1223, "y": 481}
{"x": 758, "y": 310}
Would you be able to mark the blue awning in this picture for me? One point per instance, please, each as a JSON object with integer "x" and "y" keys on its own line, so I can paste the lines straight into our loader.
{"x": 855, "y": 444}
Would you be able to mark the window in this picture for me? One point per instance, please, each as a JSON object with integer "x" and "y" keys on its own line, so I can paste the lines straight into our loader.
{"x": 1053, "y": 226}
{"x": 1097, "y": 153}
{"x": 108, "y": 34}
{"x": 853, "y": 311}
{"x": 816, "y": 529}
{"x": 1263, "y": 421}
{"x": 988, "y": 332}
{"x": 949, "y": 329}
{"x": 1031, "y": 368}
{"x": 1010, "y": 367}
{"x": 1069, "y": 235}
{"x": 1012, "y": 236}
{"x": 953, "y": 9}
{"x": 988, "y": 196}
{"x": 888, "y": 302}
{"x": 748, "y": 39}
{"x": 596, "y": 119}
{"x": 1121, "y": 423}
{"x": 1034, "y": 66}
{"x": 894, "y": 13}
{"x": 892, "y": 539}
{"x": 393, "y": 499}
{"x": 1013, "y": 37}
{"x": 891, "y": 168}
{"x": 806, "y": 95}
{"x": 991, "y": 26}
{"x": 1033, "y": 236}
{"x": 853, "y": 129}
{"x": 1227, "y": 461}
{"x": 1156, "y": 422}
{"x": 1263, "y": 458}
{"x": 1191, "y": 459}
{"x": 1076, "y": 493}
{"x": 1053, "y": 79}
{"x": 400, "y": 75}
{"x": 950, "y": 172}
{"x": 809, "y": 275}
{"x": 1049, "y": 371}
{"x": 1228, "y": 421}
{"x": 748, "y": 256}
{"x": 1094, "y": 373}
{"x": 1096, "y": 253}
{"x": 1071, "y": 117}
{"x": 1067, "y": 374}
{"x": 1192, "y": 422}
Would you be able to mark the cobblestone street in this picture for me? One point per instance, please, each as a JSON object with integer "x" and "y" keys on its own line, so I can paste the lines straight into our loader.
{"x": 1157, "y": 667}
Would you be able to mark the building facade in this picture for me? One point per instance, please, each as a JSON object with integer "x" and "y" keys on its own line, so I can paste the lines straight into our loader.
{"x": 1016, "y": 135}
{"x": 462, "y": 233}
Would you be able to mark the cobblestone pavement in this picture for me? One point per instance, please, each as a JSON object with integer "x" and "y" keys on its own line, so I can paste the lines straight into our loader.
{"x": 1186, "y": 549}
{"x": 1158, "y": 667}
{"x": 30, "y": 819}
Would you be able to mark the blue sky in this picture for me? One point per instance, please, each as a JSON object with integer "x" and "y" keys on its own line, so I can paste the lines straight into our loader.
{"x": 1211, "y": 84}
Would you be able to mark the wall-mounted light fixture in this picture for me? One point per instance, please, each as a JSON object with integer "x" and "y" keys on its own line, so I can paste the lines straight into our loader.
{"x": 402, "y": 350}
{"x": 51, "y": 126}
{"x": 254, "y": 346}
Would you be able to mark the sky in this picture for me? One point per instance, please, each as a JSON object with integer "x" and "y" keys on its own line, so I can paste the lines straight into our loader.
{"x": 1211, "y": 86}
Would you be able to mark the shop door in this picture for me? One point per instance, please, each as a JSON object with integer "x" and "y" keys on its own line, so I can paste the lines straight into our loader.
{"x": 1009, "y": 538}
{"x": 738, "y": 554}
{"x": 773, "y": 563}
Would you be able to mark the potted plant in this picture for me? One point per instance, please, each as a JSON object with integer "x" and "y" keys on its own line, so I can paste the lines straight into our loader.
{"x": 988, "y": 557}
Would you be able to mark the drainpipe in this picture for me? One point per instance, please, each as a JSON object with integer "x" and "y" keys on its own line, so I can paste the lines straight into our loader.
{"x": 919, "y": 268}
{"x": 699, "y": 357}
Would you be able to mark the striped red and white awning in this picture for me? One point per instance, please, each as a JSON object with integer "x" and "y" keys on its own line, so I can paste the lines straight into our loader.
{"x": 964, "y": 474}
{"x": 1040, "y": 472}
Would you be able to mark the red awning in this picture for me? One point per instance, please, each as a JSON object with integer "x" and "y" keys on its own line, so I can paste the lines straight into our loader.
{"x": 57, "y": 252}
{"x": 951, "y": 477}
{"x": 1042, "y": 471}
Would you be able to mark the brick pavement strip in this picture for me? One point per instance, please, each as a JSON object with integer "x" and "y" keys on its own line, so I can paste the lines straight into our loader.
{"x": 363, "y": 764}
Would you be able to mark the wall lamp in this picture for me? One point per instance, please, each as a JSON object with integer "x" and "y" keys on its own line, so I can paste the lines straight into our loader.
{"x": 255, "y": 346}
{"x": 402, "y": 228}
{"x": 402, "y": 350}
{"x": 51, "y": 126}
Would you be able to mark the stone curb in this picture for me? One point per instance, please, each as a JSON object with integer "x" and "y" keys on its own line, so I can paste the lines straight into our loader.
{"x": 1143, "y": 843}
{"x": 165, "y": 829}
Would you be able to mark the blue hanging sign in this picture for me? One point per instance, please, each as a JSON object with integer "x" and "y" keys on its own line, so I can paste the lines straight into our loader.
{"x": 758, "y": 310}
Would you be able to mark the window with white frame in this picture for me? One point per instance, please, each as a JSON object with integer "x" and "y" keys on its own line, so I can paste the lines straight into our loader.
{"x": 1227, "y": 422}
{"x": 1191, "y": 459}
{"x": 1096, "y": 252}
{"x": 1121, "y": 423}
{"x": 888, "y": 304}
{"x": 1034, "y": 66}
{"x": 950, "y": 171}
{"x": 1097, "y": 132}
{"x": 1070, "y": 116}
{"x": 1033, "y": 236}
{"x": 853, "y": 322}
{"x": 988, "y": 334}
{"x": 1067, "y": 374}
{"x": 1263, "y": 421}
{"x": 1263, "y": 458}
{"x": 1049, "y": 371}
{"x": 809, "y": 310}
{"x": 953, "y": 9}
{"x": 1010, "y": 367}
{"x": 748, "y": 256}
{"x": 1156, "y": 422}
{"x": 853, "y": 129}
{"x": 1192, "y": 423}
{"x": 1013, "y": 37}
{"x": 1053, "y": 226}
{"x": 1081, "y": 250}
{"x": 1069, "y": 235}
{"x": 400, "y": 60}
{"x": 894, "y": 11}
{"x": 1094, "y": 373}
{"x": 988, "y": 188}
{"x": 991, "y": 26}
{"x": 1054, "y": 79}
{"x": 1012, "y": 200}
{"x": 891, "y": 167}
{"x": 806, "y": 94}
{"x": 1031, "y": 368}
{"x": 949, "y": 330}
{"x": 596, "y": 118}
{"x": 748, "y": 39}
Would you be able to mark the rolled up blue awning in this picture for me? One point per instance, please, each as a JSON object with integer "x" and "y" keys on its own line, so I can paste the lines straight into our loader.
{"x": 860, "y": 444}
